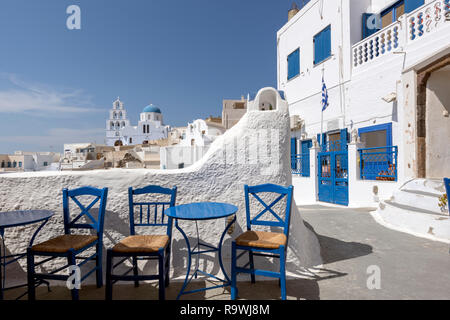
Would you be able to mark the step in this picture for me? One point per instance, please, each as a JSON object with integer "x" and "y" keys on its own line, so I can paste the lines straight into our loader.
{"x": 415, "y": 209}
{"x": 413, "y": 221}
{"x": 420, "y": 200}
{"x": 434, "y": 186}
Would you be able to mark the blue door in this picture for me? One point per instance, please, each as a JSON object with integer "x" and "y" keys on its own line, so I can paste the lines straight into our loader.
{"x": 333, "y": 171}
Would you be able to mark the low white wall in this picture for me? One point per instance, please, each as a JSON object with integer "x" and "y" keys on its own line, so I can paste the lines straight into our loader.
{"x": 219, "y": 176}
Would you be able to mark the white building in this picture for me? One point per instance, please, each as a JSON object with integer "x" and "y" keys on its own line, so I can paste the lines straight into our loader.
{"x": 386, "y": 65}
{"x": 150, "y": 126}
{"x": 195, "y": 142}
{"x": 29, "y": 161}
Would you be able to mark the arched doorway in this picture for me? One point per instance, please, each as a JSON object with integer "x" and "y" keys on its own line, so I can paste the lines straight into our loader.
{"x": 431, "y": 113}
{"x": 118, "y": 143}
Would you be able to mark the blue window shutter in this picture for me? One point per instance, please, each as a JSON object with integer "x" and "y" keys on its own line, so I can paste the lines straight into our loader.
{"x": 327, "y": 42}
{"x": 322, "y": 45}
{"x": 293, "y": 64}
{"x": 293, "y": 146}
{"x": 366, "y": 31}
{"x": 306, "y": 145}
{"x": 411, "y": 5}
{"x": 293, "y": 153}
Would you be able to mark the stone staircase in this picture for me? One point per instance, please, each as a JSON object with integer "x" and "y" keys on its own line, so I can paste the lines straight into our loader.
{"x": 414, "y": 209}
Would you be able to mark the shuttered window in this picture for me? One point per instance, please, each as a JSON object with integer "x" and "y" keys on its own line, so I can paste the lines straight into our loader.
{"x": 322, "y": 45}
{"x": 293, "y": 64}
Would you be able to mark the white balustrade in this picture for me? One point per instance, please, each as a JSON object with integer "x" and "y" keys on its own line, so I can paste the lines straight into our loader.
{"x": 415, "y": 25}
{"x": 427, "y": 19}
{"x": 377, "y": 45}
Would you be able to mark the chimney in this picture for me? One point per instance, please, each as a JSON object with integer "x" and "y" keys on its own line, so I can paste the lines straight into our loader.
{"x": 293, "y": 11}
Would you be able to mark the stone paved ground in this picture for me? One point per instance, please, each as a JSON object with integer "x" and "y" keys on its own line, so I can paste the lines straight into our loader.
{"x": 351, "y": 242}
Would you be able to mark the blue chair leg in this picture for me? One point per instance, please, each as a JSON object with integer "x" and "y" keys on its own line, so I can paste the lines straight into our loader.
{"x": 252, "y": 266}
{"x": 30, "y": 275}
{"x": 109, "y": 284}
{"x": 72, "y": 262}
{"x": 233, "y": 271}
{"x": 167, "y": 266}
{"x": 135, "y": 271}
{"x": 162, "y": 287}
{"x": 98, "y": 265}
{"x": 283, "y": 273}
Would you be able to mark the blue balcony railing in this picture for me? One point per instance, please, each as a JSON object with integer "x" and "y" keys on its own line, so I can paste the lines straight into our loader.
{"x": 378, "y": 163}
{"x": 300, "y": 164}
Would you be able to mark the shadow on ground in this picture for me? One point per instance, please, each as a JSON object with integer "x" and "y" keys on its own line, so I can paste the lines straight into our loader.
{"x": 333, "y": 250}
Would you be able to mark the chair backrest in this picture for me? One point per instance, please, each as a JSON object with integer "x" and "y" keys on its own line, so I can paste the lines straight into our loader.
{"x": 268, "y": 208}
{"x": 95, "y": 223}
{"x": 151, "y": 214}
{"x": 447, "y": 189}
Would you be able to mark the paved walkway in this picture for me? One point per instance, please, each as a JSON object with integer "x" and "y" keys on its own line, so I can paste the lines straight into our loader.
{"x": 351, "y": 241}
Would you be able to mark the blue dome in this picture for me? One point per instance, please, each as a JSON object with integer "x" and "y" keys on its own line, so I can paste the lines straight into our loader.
{"x": 151, "y": 108}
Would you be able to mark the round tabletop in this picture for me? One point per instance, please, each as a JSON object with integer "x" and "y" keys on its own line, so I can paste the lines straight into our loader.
{"x": 201, "y": 211}
{"x": 23, "y": 217}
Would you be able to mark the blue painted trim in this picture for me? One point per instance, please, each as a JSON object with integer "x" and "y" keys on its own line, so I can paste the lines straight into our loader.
{"x": 447, "y": 189}
{"x": 293, "y": 62}
{"x": 322, "y": 45}
{"x": 379, "y": 127}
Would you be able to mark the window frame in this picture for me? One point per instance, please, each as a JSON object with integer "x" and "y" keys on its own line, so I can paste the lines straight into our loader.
{"x": 393, "y": 8}
{"x": 380, "y": 127}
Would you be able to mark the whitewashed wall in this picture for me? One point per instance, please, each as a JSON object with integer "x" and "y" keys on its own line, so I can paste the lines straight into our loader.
{"x": 355, "y": 93}
{"x": 219, "y": 176}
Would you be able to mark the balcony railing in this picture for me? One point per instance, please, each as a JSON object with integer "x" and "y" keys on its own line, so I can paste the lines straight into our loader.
{"x": 427, "y": 19}
{"x": 300, "y": 164}
{"x": 410, "y": 27}
{"x": 378, "y": 163}
{"x": 377, "y": 45}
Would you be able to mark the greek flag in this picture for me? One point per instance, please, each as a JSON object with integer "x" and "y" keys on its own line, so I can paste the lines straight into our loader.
{"x": 324, "y": 95}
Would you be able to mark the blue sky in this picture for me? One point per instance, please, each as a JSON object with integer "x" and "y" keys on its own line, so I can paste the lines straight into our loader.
{"x": 57, "y": 85}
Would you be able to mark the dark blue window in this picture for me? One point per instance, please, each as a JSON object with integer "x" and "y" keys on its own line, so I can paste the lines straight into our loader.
{"x": 411, "y": 5}
{"x": 294, "y": 64}
{"x": 322, "y": 45}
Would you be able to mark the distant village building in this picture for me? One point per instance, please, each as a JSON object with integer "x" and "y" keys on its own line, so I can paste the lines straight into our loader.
{"x": 120, "y": 132}
{"x": 232, "y": 112}
{"x": 86, "y": 156}
{"x": 29, "y": 161}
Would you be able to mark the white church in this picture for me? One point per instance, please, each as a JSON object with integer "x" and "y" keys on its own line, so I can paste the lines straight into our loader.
{"x": 150, "y": 127}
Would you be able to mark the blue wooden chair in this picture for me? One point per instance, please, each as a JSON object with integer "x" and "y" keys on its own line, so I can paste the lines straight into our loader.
{"x": 447, "y": 189}
{"x": 71, "y": 245}
{"x": 260, "y": 243}
{"x": 144, "y": 247}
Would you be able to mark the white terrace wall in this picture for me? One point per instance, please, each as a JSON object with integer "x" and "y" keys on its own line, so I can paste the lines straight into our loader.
{"x": 238, "y": 157}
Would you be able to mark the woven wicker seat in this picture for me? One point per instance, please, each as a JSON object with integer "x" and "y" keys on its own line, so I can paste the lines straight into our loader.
{"x": 261, "y": 239}
{"x": 64, "y": 243}
{"x": 142, "y": 244}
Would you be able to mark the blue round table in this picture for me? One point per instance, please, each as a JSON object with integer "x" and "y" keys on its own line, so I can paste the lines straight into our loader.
{"x": 199, "y": 212}
{"x": 16, "y": 219}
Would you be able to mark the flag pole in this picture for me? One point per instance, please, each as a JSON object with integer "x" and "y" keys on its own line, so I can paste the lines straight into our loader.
{"x": 321, "y": 112}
